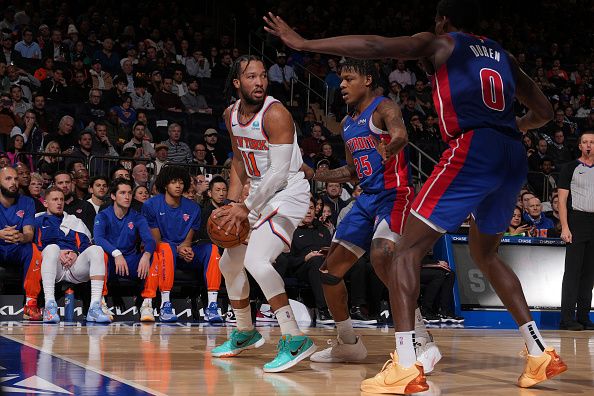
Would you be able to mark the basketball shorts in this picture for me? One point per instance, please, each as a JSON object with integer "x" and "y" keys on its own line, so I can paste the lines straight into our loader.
{"x": 481, "y": 174}
{"x": 372, "y": 216}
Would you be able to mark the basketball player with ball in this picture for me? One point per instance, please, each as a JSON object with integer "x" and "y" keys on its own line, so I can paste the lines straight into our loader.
{"x": 265, "y": 150}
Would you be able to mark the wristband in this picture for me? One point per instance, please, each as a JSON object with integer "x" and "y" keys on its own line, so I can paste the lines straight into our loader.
{"x": 116, "y": 253}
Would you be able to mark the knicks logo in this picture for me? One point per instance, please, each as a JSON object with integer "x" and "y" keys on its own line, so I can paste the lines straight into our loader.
{"x": 20, "y": 213}
{"x": 186, "y": 217}
{"x": 131, "y": 225}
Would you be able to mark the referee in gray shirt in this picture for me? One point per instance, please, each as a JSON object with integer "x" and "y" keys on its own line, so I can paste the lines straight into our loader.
{"x": 576, "y": 212}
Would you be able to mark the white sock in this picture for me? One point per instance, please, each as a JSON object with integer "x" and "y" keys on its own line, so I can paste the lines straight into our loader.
{"x": 346, "y": 331}
{"x": 212, "y": 296}
{"x": 164, "y": 297}
{"x": 421, "y": 333}
{"x": 405, "y": 346}
{"x": 96, "y": 290}
{"x": 286, "y": 321}
{"x": 534, "y": 341}
{"x": 27, "y": 299}
{"x": 244, "y": 318}
{"x": 148, "y": 301}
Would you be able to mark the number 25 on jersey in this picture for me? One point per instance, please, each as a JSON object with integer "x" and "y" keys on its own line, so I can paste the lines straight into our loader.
{"x": 363, "y": 166}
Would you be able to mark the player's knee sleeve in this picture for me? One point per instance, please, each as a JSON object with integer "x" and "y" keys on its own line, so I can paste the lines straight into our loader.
{"x": 97, "y": 263}
{"x": 329, "y": 279}
{"x": 236, "y": 281}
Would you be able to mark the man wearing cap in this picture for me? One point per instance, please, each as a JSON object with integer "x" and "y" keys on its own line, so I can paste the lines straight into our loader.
{"x": 28, "y": 48}
{"x": 279, "y": 76}
{"x": 179, "y": 152}
{"x": 161, "y": 153}
{"x": 195, "y": 102}
{"x": 10, "y": 55}
{"x": 215, "y": 154}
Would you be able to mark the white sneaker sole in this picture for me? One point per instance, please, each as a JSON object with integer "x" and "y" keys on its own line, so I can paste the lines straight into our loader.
{"x": 235, "y": 352}
{"x": 308, "y": 352}
{"x": 265, "y": 319}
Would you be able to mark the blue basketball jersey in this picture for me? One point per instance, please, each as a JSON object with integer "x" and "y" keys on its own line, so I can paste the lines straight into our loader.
{"x": 361, "y": 138}
{"x": 475, "y": 88}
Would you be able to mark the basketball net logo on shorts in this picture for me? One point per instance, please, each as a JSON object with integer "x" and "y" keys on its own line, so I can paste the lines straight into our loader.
{"x": 186, "y": 217}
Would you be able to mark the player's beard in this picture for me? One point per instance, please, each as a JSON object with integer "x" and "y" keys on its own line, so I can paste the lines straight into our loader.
{"x": 245, "y": 96}
{"x": 9, "y": 194}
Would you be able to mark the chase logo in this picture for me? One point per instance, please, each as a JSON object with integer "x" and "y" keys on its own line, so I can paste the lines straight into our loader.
{"x": 362, "y": 121}
{"x": 255, "y": 125}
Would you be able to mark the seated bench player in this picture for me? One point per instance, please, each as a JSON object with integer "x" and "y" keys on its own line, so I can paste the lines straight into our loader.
{"x": 17, "y": 215}
{"x": 68, "y": 255}
{"x": 117, "y": 230}
{"x": 173, "y": 220}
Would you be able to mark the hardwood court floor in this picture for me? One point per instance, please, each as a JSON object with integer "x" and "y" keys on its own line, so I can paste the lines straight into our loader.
{"x": 174, "y": 360}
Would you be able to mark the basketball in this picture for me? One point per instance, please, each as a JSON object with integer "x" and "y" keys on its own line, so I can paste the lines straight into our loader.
{"x": 218, "y": 237}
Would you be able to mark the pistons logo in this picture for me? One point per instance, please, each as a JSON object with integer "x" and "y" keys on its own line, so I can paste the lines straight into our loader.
{"x": 186, "y": 217}
{"x": 20, "y": 213}
{"x": 131, "y": 225}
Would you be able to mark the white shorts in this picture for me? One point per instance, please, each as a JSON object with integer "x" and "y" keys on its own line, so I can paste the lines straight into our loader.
{"x": 285, "y": 211}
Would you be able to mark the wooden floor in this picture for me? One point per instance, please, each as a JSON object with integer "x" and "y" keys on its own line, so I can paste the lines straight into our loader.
{"x": 174, "y": 360}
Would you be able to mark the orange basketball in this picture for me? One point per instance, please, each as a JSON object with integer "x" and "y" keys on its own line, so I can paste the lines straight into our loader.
{"x": 219, "y": 238}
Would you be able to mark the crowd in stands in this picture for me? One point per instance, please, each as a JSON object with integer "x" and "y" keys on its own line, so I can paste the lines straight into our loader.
{"x": 120, "y": 90}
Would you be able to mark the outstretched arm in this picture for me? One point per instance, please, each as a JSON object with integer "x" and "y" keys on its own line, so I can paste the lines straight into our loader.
{"x": 421, "y": 45}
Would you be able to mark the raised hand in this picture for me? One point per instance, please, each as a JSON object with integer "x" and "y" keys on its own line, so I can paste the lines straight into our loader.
{"x": 278, "y": 27}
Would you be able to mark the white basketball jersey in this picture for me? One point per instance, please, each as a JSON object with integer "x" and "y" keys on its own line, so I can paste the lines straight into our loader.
{"x": 252, "y": 142}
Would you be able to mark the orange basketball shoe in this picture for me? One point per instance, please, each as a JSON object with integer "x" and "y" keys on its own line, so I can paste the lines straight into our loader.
{"x": 393, "y": 378}
{"x": 541, "y": 368}
{"x": 32, "y": 312}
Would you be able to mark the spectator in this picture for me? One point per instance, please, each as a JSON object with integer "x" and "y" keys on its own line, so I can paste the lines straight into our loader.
{"x": 215, "y": 154}
{"x": 72, "y": 205}
{"x": 64, "y": 135}
{"x": 539, "y": 223}
{"x": 312, "y": 145}
{"x": 10, "y": 55}
{"x": 92, "y": 112}
{"x": 81, "y": 183}
{"x": 199, "y": 159}
{"x": 217, "y": 196}
{"x": 101, "y": 143}
{"x": 45, "y": 71}
{"x": 20, "y": 106}
{"x": 221, "y": 69}
{"x": 98, "y": 191}
{"x": 79, "y": 88}
{"x": 140, "y": 175}
{"x": 327, "y": 153}
{"x": 179, "y": 152}
{"x": 554, "y": 232}
{"x": 125, "y": 112}
{"x": 560, "y": 153}
{"x": 35, "y": 191}
{"x": 55, "y": 49}
{"x": 55, "y": 89}
{"x": 50, "y": 164}
{"x": 141, "y": 194}
{"x": 535, "y": 160}
{"x": 166, "y": 100}
{"x": 33, "y": 135}
{"x": 143, "y": 147}
{"x": 110, "y": 60}
{"x": 402, "y": 75}
{"x": 161, "y": 154}
{"x": 179, "y": 86}
{"x": 26, "y": 81}
{"x": 517, "y": 226}
{"x": 114, "y": 96}
{"x": 543, "y": 182}
{"x": 127, "y": 75}
{"x": 198, "y": 65}
{"x": 141, "y": 98}
{"x": 279, "y": 78}
{"x": 101, "y": 79}
{"x": 394, "y": 92}
{"x": 28, "y": 48}
{"x": 24, "y": 177}
{"x": 193, "y": 101}
{"x": 15, "y": 148}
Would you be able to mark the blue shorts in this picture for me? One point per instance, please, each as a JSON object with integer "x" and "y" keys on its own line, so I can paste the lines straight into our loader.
{"x": 481, "y": 173}
{"x": 368, "y": 211}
